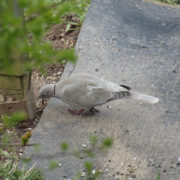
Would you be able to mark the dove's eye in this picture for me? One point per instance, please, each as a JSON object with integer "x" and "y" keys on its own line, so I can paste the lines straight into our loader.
{"x": 43, "y": 97}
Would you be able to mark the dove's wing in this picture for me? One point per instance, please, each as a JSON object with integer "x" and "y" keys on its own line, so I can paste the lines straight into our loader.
{"x": 85, "y": 95}
{"x": 83, "y": 90}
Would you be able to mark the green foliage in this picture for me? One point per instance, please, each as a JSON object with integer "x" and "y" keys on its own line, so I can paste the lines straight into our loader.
{"x": 53, "y": 164}
{"x": 26, "y": 160}
{"x": 158, "y": 176}
{"x": 25, "y": 137}
{"x": 88, "y": 167}
{"x": 6, "y": 139}
{"x": 17, "y": 117}
{"x": 64, "y": 146}
{"x": 172, "y": 2}
{"x": 23, "y": 25}
{"x": 93, "y": 140}
{"x": 9, "y": 169}
{"x": 107, "y": 143}
{"x": 89, "y": 153}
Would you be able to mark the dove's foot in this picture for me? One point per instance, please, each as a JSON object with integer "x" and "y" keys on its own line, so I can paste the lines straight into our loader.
{"x": 83, "y": 112}
{"x": 77, "y": 112}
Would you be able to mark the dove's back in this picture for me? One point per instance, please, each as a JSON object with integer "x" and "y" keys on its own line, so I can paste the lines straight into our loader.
{"x": 86, "y": 91}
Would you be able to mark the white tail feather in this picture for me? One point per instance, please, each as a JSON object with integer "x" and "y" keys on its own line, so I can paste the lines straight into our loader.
{"x": 144, "y": 98}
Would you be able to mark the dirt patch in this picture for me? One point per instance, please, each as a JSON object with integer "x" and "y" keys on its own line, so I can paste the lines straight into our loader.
{"x": 61, "y": 37}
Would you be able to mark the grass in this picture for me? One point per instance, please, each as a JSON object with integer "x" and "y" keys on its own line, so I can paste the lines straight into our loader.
{"x": 172, "y": 2}
{"x": 9, "y": 168}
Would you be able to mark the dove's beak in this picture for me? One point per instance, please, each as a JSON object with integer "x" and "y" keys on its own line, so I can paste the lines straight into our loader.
{"x": 42, "y": 100}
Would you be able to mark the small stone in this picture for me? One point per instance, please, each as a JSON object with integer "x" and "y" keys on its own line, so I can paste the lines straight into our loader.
{"x": 109, "y": 107}
{"x": 179, "y": 159}
{"x": 116, "y": 177}
{"x": 83, "y": 174}
{"x": 20, "y": 150}
{"x": 93, "y": 171}
{"x": 107, "y": 170}
{"x": 59, "y": 164}
{"x": 20, "y": 153}
{"x": 59, "y": 73}
{"x": 49, "y": 78}
{"x": 84, "y": 145}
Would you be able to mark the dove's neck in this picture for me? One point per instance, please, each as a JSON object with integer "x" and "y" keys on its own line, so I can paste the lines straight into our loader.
{"x": 51, "y": 88}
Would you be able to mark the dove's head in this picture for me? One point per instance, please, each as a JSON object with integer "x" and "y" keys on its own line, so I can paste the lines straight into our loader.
{"x": 47, "y": 91}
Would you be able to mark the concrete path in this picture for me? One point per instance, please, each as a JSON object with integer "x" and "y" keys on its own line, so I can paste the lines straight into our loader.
{"x": 131, "y": 42}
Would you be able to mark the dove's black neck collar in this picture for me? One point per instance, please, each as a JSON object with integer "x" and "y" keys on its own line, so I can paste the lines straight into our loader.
{"x": 54, "y": 89}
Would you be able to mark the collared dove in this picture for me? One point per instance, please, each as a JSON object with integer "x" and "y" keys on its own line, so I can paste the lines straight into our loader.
{"x": 83, "y": 92}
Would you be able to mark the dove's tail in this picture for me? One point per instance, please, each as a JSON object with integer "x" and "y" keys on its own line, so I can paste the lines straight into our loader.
{"x": 144, "y": 98}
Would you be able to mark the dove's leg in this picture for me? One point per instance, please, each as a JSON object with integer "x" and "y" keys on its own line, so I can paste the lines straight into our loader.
{"x": 83, "y": 111}
{"x": 77, "y": 112}
{"x": 94, "y": 110}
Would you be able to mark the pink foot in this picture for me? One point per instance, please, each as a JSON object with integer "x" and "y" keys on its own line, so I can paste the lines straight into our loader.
{"x": 83, "y": 112}
{"x": 77, "y": 112}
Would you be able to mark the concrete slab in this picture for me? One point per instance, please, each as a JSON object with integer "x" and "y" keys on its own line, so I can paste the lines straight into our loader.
{"x": 129, "y": 42}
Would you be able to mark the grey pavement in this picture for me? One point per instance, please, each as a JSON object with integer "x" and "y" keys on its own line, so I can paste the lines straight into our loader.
{"x": 132, "y": 42}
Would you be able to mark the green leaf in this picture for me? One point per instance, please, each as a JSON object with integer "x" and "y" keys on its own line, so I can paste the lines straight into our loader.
{"x": 68, "y": 27}
{"x": 4, "y": 153}
{"x": 158, "y": 176}
{"x": 26, "y": 160}
{"x": 64, "y": 146}
{"x": 53, "y": 164}
{"x": 89, "y": 153}
{"x": 93, "y": 140}
{"x": 107, "y": 143}
{"x": 6, "y": 139}
{"x": 88, "y": 167}
{"x": 17, "y": 117}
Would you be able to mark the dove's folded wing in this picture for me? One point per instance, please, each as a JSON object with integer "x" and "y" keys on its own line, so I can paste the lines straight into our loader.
{"x": 85, "y": 96}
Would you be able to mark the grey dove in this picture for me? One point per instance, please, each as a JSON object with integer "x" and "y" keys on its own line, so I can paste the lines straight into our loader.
{"x": 84, "y": 92}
